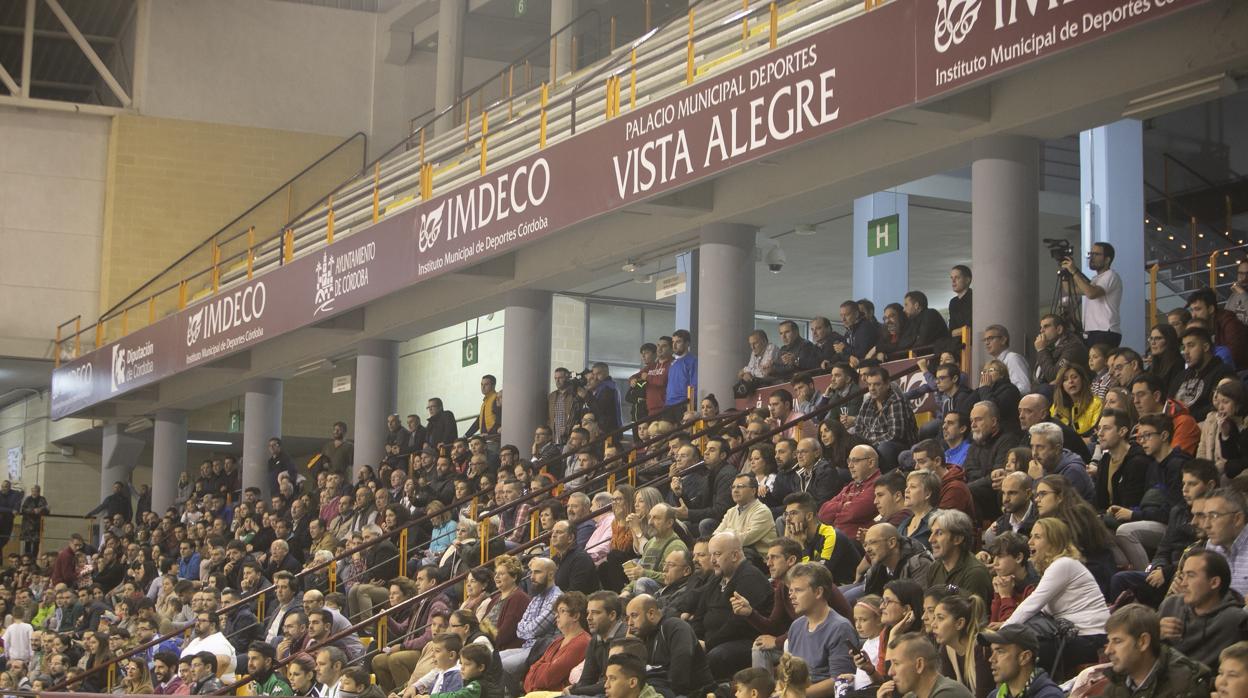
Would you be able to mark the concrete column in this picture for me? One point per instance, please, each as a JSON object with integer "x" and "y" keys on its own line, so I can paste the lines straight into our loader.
{"x": 526, "y": 360}
{"x": 168, "y": 457}
{"x": 725, "y": 306}
{"x": 1005, "y": 208}
{"x": 1111, "y": 188}
{"x": 881, "y": 251}
{"x": 562, "y": 12}
{"x": 376, "y": 397}
{"x": 687, "y": 302}
{"x": 118, "y": 455}
{"x": 262, "y": 420}
{"x": 449, "y": 81}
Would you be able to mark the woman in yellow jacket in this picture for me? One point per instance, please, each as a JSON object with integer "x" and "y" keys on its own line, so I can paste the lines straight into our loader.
{"x": 1073, "y": 402}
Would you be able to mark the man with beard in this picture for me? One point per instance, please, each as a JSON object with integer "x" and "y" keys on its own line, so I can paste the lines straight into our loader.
{"x": 990, "y": 444}
{"x": 538, "y": 621}
{"x": 337, "y": 453}
{"x": 165, "y": 676}
{"x": 953, "y": 561}
{"x": 672, "y": 646}
{"x": 264, "y": 681}
{"x": 207, "y": 639}
{"x": 728, "y": 637}
{"x": 313, "y": 601}
{"x": 606, "y": 623}
{"x": 1018, "y": 511}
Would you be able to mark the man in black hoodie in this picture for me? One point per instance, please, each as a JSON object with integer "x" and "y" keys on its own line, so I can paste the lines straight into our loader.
{"x": 440, "y": 427}
{"x": 717, "y": 495}
{"x": 1128, "y": 487}
{"x": 1193, "y": 388}
{"x": 924, "y": 326}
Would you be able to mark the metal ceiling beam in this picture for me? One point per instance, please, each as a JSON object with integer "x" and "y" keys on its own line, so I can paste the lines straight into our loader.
{"x": 28, "y": 48}
{"x": 54, "y": 105}
{"x": 90, "y": 53}
{"x": 6, "y": 30}
{"x": 8, "y": 81}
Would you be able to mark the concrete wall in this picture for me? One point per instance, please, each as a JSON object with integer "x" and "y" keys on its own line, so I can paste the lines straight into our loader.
{"x": 173, "y": 183}
{"x": 430, "y": 366}
{"x": 567, "y": 335}
{"x": 256, "y": 63}
{"x": 25, "y": 426}
{"x": 52, "y": 184}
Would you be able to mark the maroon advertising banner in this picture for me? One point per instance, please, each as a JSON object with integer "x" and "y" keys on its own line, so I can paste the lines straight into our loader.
{"x": 843, "y": 75}
{"x": 809, "y": 89}
{"x": 959, "y": 42}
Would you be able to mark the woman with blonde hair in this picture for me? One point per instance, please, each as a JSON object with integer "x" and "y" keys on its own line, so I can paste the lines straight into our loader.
{"x": 639, "y": 520}
{"x": 792, "y": 677}
{"x": 1067, "y": 591}
{"x": 1073, "y": 402}
{"x": 136, "y": 680}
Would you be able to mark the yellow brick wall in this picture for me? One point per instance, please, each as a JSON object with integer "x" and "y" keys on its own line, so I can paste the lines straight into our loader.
{"x": 173, "y": 183}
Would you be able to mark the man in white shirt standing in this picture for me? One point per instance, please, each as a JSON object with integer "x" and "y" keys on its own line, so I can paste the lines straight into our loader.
{"x": 1102, "y": 296}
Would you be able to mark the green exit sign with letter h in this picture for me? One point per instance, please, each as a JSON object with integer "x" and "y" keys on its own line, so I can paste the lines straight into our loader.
{"x": 883, "y": 235}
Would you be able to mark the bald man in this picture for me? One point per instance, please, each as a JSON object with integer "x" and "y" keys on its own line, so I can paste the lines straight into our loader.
{"x": 671, "y": 644}
{"x": 728, "y": 636}
{"x": 854, "y": 506}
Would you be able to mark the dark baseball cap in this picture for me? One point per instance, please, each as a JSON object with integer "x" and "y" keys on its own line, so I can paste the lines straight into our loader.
{"x": 1012, "y": 635}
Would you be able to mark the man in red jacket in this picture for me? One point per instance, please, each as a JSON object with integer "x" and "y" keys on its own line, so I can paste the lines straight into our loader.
{"x": 854, "y": 507}
{"x": 954, "y": 492}
{"x": 65, "y": 569}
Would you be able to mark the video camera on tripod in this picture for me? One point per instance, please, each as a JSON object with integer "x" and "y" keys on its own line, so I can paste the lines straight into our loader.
{"x": 1065, "y": 292}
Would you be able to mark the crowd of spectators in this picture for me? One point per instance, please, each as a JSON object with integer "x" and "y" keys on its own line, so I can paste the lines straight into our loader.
{"x": 1073, "y": 523}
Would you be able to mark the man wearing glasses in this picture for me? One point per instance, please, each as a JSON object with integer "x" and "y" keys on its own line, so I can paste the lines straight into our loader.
{"x": 997, "y": 344}
{"x": 1225, "y": 516}
{"x": 1103, "y": 295}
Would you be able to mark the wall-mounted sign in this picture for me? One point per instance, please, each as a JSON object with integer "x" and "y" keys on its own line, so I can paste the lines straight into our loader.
{"x": 883, "y": 60}
{"x": 341, "y": 384}
{"x": 468, "y": 353}
{"x": 670, "y": 285}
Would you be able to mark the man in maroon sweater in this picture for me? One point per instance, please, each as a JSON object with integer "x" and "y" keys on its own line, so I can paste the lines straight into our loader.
{"x": 954, "y": 492}
{"x": 65, "y": 569}
{"x": 854, "y": 506}
{"x": 783, "y": 554}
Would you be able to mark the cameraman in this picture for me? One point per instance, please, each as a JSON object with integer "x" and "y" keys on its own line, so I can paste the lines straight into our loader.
{"x": 1103, "y": 296}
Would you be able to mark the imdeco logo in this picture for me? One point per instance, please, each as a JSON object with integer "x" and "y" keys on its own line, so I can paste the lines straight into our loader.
{"x": 954, "y": 20}
{"x": 430, "y": 227}
{"x": 225, "y": 313}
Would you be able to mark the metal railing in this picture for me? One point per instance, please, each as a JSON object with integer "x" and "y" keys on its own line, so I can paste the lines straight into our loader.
{"x": 714, "y": 33}
{"x": 176, "y": 285}
{"x": 1215, "y": 270}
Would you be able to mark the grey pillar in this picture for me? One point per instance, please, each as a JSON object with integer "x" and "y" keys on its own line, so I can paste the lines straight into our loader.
{"x": 526, "y": 360}
{"x": 168, "y": 457}
{"x": 262, "y": 420}
{"x": 725, "y": 306}
{"x": 562, "y": 12}
{"x": 376, "y": 397}
{"x": 449, "y": 82}
{"x": 1005, "y": 208}
{"x": 118, "y": 455}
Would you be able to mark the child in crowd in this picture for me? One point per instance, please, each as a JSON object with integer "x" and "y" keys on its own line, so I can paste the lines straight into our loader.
{"x": 870, "y": 629}
{"x": 447, "y": 675}
{"x": 355, "y": 682}
{"x": 792, "y": 677}
{"x": 473, "y": 661}
{"x": 752, "y": 683}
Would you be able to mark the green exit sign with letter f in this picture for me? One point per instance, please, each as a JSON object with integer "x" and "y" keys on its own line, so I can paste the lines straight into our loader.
{"x": 883, "y": 235}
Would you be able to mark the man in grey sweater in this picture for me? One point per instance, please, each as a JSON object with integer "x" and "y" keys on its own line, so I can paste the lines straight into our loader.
{"x": 1209, "y": 615}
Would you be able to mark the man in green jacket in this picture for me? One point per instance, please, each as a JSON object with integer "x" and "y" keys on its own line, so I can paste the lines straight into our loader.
{"x": 1142, "y": 667}
{"x": 265, "y": 681}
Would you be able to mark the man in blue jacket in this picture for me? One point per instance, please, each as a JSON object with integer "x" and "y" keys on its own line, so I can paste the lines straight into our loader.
{"x": 683, "y": 373}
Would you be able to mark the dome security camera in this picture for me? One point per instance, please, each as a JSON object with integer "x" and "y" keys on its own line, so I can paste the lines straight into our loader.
{"x": 775, "y": 259}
